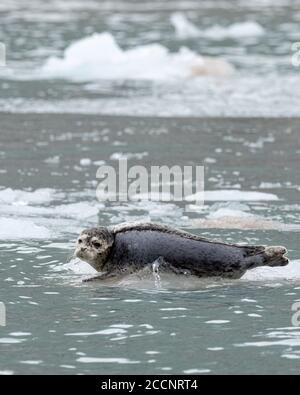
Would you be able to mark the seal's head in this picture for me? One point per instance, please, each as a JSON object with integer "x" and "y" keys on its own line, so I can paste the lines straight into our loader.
{"x": 94, "y": 246}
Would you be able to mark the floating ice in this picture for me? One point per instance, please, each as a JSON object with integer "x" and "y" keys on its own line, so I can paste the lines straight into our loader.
{"x": 80, "y": 210}
{"x": 8, "y": 340}
{"x": 78, "y": 267}
{"x": 183, "y": 27}
{"x": 13, "y": 229}
{"x": 110, "y": 331}
{"x": 236, "y": 31}
{"x": 16, "y": 197}
{"x": 54, "y": 160}
{"x": 106, "y": 360}
{"x": 238, "y": 196}
{"x": 31, "y": 362}
{"x": 128, "y": 155}
{"x": 285, "y": 273}
{"x": 229, "y": 212}
{"x": 85, "y": 162}
{"x": 99, "y": 57}
{"x": 186, "y": 29}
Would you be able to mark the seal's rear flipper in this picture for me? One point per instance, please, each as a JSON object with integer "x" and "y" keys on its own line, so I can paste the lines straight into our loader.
{"x": 275, "y": 256}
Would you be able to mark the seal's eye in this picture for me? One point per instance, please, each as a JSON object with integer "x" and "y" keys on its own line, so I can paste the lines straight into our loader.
{"x": 79, "y": 241}
{"x": 96, "y": 244}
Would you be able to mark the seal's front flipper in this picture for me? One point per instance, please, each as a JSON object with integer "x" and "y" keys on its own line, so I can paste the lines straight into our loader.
{"x": 161, "y": 265}
{"x": 102, "y": 276}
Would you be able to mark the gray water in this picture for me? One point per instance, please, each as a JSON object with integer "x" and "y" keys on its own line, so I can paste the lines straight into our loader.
{"x": 264, "y": 84}
{"x": 56, "y": 324}
{"x": 55, "y": 132}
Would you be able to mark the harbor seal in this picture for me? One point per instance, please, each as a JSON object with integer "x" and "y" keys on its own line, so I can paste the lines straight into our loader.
{"x": 130, "y": 247}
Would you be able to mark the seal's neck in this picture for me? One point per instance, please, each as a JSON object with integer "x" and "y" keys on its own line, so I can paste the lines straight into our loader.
{"x": 102, "y": 261}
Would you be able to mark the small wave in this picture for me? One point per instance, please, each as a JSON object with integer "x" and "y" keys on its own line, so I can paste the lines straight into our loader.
{"x": 185, "y": 29}
{"x": 99, "y": 57}
{"x": 145, "y": 279}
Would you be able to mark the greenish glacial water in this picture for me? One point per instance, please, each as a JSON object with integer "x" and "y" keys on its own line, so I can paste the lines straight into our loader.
{"x": 89, "y": 82}
{"x": 57, "y": 324}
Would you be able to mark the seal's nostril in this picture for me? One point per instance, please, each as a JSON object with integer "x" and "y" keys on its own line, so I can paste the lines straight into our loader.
{"x": 82, "y": 249}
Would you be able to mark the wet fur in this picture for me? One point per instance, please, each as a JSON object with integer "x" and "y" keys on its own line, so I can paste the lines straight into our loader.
{"x": 127, "y": 248}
